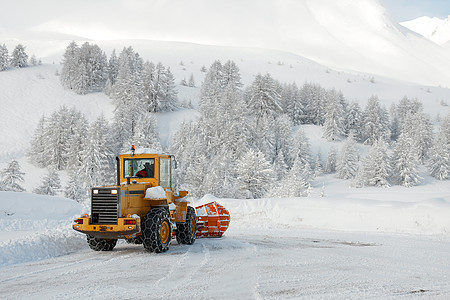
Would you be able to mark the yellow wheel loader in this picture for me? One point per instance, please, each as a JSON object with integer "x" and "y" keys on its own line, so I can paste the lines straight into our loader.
{"x": 143, "y": 208}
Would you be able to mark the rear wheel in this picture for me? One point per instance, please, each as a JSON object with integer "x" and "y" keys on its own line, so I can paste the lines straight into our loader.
{"x": 157, "y": 230}
{"x": 97, "y": 244}
{"x": 187, "y": 231}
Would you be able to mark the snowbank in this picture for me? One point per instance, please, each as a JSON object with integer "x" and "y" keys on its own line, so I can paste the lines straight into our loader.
{"x": 34, "y": 227}
{"x": 36, "y": 207}
{"x": 428, "y": 217}
{"x": 41, "y": 245}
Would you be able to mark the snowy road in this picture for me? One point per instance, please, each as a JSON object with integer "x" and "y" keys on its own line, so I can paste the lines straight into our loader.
{"x": 271, "y": 264}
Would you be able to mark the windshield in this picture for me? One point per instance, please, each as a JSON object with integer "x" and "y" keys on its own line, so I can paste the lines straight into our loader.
{"x": 140, "y": 167}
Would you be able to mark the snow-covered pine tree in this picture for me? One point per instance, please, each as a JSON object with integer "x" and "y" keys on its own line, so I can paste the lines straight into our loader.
{"x": 263, "y": 97}
{"x": 19, "y": 58}
{"x": 233, "y": 127}
{"x": 395, "y": 122}
{"x": 146, "y": 134}
{"x": 408, "y": 106}
{"x": 170, "y": 100}
{"x": 220, "y": 178}
{"x": 113, "y": 67}
{"x": 292, "y": 101}
{"x": 254, "y": 175}
{"x": 280, "y": 167}
{"x": 313, "y": 98}
{"x": 376, "y": 168}
{"x": 12, "y": 177}
{"x": 4, "y": 58}
{"x": 295, "y": 184}
{"x": 230, "y": 76}
{"x": 222, "y": 131}
{"x": 376, "y": 122}
{"x": 108, "y": 88}
{"x": 212, "y": 87}
{"x": 191, "y": 82}
{"x": 265, "y": 136}
{"x": 301, "y": 150}
{"x": 92, "y": 69}
{"x": 98, "y": 159}
{"x": 318, "y": 165}
{"x": 70, "y": 69}
{"x": 50, "y": 184}
{"x": 334, "y": 126}
{"x": 76, "y": 140}
{"x": 183, "y": 146}
{"x": 439, "y": 158}
{"x": 159, "y": 84}
{"x": 85, "y": 68}
{"x": 75, "y": 189}
{"x": 149, "y": 88}
{"x": 33, "y": 60}
{"x": 348, "y": 161}
{"x": 57, "y": 133}
{"x": 38, "y": 145}
{"x": 330, "y": 166}
{"x": 354, "y": 121}
{"x": 406, "y": 161}
{"x": 127, "y": 94}
{"x": 283, "y": 141}
{"x": 417, "y": 126}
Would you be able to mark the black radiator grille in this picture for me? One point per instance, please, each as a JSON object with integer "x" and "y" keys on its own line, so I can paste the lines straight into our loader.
{"x": 105, "y": 206}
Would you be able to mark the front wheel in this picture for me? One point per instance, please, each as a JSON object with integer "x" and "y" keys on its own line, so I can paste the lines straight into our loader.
{"x": 187, "y": 231}
{"x": 157, "y": 230}
{"x": 97, "y": 244}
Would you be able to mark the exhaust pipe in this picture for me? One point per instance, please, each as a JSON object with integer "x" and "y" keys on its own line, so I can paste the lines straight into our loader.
{"x": 118, "y": 170}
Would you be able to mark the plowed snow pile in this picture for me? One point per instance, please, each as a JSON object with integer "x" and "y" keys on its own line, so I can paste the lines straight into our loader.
{"x": 34, "y": 227}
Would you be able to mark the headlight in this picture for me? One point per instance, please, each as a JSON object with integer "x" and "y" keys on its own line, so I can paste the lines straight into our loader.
{"x": 114, "y": 192}
{"x": 95, "y": 191}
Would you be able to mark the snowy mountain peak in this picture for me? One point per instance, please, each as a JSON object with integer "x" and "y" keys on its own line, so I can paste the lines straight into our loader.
{"x": 435, "y": 29}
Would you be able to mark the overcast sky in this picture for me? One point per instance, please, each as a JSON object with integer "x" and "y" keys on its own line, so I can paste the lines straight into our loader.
{"x": 405, "y": 10}
{"x": 118, "y": 19}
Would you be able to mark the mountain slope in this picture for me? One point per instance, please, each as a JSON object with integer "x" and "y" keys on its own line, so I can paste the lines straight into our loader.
{"x": 346, "y": 34}
{"x": 435, "y": 29}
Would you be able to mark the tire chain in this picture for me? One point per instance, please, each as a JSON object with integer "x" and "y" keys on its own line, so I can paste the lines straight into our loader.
{"x": 97, "y": 244}
{"x": 183, "y": 233}
{"x": 151, "y": 227}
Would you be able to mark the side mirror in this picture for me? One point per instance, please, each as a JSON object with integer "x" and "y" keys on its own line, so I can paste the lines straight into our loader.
{"x": 175, "y": 164}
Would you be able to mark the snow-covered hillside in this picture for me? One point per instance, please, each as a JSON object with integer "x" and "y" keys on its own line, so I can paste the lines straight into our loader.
{"x": 346, "y": 35}
{"x": 435, "y": 29}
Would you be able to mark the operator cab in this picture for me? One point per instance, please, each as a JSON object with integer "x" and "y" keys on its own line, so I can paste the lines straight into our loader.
{"x": 146, "y": 166}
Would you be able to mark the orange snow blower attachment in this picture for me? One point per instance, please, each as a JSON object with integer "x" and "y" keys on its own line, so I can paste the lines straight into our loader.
{"x": 212, "y": 220}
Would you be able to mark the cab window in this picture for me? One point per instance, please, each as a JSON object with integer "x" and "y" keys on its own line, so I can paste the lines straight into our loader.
{"x": 165, "y": 172}
{"x": 140, "y": 167}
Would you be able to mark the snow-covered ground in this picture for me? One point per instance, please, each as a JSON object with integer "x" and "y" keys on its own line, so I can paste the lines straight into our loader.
{"x": 379, "y": 243}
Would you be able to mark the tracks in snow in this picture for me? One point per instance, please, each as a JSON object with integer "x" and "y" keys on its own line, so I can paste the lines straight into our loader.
{"x": 243, "y": 265}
